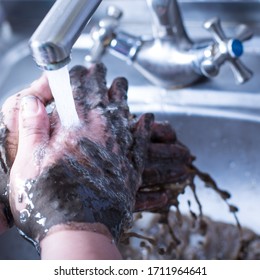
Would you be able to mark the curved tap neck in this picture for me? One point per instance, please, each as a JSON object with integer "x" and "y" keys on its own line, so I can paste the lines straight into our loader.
{"x": 168, "y": 21}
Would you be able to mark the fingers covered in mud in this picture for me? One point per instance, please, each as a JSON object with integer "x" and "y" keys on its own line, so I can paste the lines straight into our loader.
{"x": 108, "y": 107}
{"x": 175, "y": 152}
{"x": 70, "y": 191}
{"x": 151, "y": 201}
{"x": 162, "y": 132}
{"x": 10, "y": 109}
{"x": 141, "y": 134}
{"x": 168, "y": 160}
{"x": 90, "y": 173}
{"x": 9, "y": 119}
{"x": 156, "y": 174}
{"x": 89, "y": 86}
{"x": 118, "y": 91}
{"x": 90, "y": 91}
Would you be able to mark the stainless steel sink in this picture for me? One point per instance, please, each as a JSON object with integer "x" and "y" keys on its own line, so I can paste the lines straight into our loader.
{"x": 218, "y": 120}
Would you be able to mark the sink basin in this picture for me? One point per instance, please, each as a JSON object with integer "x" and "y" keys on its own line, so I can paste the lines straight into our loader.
{"x": 218, "y": 120}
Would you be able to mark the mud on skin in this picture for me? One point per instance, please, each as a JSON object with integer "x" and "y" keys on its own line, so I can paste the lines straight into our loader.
{"x": 89, "y": 173}
{"x": 4, "y": 175}
{"x": 107, "y": 168}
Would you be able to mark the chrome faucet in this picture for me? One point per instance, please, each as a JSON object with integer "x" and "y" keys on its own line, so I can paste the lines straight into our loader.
{"x": 170, "y": 58}
{"x": 53, "y": 40}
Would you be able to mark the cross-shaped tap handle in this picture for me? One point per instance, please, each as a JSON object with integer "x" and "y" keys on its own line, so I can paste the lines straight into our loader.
{"x": 226, "y": 49}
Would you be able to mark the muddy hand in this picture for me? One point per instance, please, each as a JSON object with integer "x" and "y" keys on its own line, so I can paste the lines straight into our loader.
{"x": 9, "y": 140}
{"x": 84, "y": 177}
{"x": 168, "y": 169}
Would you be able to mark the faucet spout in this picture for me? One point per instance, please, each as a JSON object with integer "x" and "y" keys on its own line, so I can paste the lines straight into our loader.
{"x": 53, "y": 40}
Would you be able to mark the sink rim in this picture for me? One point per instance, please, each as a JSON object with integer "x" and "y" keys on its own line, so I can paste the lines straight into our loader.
{"x": 208, "y": 102}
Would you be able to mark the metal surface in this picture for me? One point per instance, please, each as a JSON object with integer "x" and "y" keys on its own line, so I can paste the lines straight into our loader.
{"x": 169, "y": 58}
{"x": 52, "y": 42}
{"x": 218, "y": 120}
{"x": 226, "y": 49}
{"x": 168, "y": 22}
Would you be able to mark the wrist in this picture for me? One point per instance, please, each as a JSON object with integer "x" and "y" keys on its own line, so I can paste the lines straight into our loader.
{"x": 79, "y": 241}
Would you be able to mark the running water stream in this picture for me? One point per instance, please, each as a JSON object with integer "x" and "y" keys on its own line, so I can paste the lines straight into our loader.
{"x": 59, "y": 81}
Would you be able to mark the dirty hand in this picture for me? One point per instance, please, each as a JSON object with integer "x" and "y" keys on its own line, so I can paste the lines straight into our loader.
{"x": 6, "y": 219}
{"x": 168, "y": 170}
{"x": 83, "y": 177}
{"x": 9, "y": 130}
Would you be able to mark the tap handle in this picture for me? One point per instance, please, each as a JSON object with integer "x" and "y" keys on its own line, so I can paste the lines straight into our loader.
{"x": 226, "y": 49}
{"x": 243, "y": 32}
{"x": 214, "y": 26}
{"x": 241, "y": 72}
{"x": 103, "y": 34}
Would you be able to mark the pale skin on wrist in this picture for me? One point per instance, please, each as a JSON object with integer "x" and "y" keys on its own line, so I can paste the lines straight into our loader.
{"x": 78, "y": 245}
{"x": 69, "y": 244}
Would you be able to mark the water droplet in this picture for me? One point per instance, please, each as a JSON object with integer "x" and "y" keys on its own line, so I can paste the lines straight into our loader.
{"x": 29, "y": 184}
{"x": 24, "y": 215}
{"x": 41, "y": 221}
{"x": 38, "y": 215}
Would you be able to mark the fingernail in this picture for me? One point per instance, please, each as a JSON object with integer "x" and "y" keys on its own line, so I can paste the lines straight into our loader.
{"x": 29, "y": 106}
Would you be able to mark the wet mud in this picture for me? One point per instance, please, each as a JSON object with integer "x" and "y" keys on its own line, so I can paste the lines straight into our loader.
{"x": 115, "y": 168}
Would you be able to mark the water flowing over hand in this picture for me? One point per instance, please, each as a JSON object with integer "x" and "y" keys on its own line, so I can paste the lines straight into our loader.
{"x": 83, "y": 177}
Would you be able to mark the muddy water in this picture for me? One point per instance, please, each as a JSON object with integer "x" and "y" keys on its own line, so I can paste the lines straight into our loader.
{"x": 153, "y": 239}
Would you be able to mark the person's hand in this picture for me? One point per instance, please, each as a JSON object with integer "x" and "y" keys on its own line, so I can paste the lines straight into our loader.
{"x": 168, "y": 170}
{"x": 82, "y": 178}
{"x": 9, "y": 118}
{"x": 5, "y": 213}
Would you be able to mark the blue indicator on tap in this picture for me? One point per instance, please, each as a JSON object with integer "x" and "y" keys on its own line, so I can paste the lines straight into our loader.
{"x": 236, "y": 48}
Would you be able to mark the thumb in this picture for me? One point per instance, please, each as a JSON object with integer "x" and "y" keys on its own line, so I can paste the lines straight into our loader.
{"x": 34, "y": 126}
{"x": 33, "y": 135}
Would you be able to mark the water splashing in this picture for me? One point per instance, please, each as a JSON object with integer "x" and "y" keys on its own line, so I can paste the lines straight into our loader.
{"x": 59, "y": 81}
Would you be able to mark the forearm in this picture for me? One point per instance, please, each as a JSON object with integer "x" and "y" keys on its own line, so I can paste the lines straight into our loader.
{"x": 70, "y": 244}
